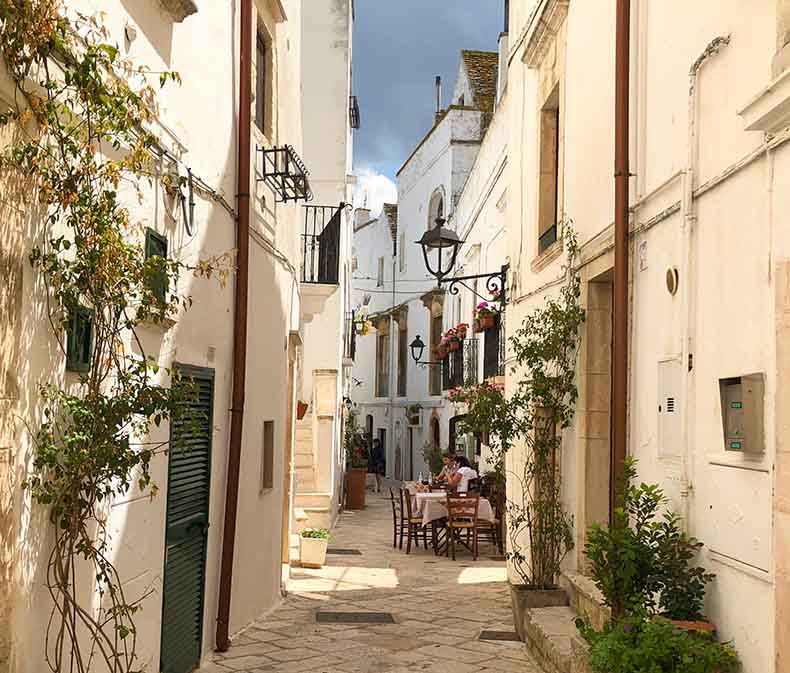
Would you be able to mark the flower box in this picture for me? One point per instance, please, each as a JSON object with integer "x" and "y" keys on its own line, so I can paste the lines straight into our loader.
{"x": 312, "y": 552}
{"x": 454, "y": 345}
{"x": 441, "y": 351}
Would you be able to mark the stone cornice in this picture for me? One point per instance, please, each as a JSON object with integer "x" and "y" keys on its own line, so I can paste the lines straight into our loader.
{"x": 179, "y": 9}
{"x": 543, "y": 26}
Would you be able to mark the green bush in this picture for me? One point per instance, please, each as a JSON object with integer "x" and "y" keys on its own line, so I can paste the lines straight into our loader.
{"x": 316, "y": 533}
{"x": 656, "y": 647}
{"x": 642, "y": 562}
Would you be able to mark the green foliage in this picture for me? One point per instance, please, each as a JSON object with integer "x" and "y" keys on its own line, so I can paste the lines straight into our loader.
{"x": 656, "y": 647}
{"x": 540, "y": 407}
{"x": 642, "y": 561}
{"x": 356, "y": 449}
{"x": 79, "y": 134}
{"x": 316, "y": 534}
{"x": 432, "y": 455}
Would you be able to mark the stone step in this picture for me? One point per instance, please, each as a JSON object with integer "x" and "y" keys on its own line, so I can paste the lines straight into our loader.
{"x": 549, "y": 632}
{"x": 318, "y": 517}
{"x": 316, "y": 499}
{"x": 586, "y": 598}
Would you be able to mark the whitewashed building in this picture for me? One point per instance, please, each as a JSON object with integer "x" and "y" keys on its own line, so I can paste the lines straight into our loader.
{"x": 454, "y": 172}
{"x": 708, "y": 366}
{"x": 197, "y": 132}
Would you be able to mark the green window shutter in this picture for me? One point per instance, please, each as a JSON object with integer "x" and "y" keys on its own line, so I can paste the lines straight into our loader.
{"x": 79, "y": 344}
{"x": 156, "y": 246}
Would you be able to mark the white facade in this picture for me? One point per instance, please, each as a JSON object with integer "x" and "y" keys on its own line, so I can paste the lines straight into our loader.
{"x": 199, "y": 128}
{"x": 460, "y": 164}
{"x": 710, "y": 164}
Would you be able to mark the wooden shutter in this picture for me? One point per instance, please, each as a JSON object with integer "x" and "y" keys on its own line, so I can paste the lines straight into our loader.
{"x": 188, "y": 485}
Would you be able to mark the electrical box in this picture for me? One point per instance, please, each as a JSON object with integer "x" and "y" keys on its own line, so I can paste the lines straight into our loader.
{"x": 670, "y": 383}
{"x": 742, "y": 400}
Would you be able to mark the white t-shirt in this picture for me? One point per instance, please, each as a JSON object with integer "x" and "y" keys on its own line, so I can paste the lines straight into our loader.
{"x": 467, "y": 474}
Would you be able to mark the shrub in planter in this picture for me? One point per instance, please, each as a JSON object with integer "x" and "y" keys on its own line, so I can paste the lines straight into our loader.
{"x": 642, "y": 562}
{"x": 655, "y": 646}
{"x": 313, "y": 543}
{"x": 485, "y": 315}
{"x": 356, "y": 464}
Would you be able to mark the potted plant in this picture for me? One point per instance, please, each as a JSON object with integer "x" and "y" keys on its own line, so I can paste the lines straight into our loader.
{"x": 301, "y": 409}
{"x": 442, "y": 349}
{"x": 453, "y": 341}
{"x": 413, "y": 414}
{"x": 313, "y": 543}
{"x": 356, "y": 464}
{"x": 485, "y": 315}
{"x": 461, "y": 329}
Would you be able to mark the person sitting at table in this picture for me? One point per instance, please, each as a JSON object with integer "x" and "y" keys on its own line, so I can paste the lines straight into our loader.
{"x": 463, "y": 474}
{"x": 449, "y": 466}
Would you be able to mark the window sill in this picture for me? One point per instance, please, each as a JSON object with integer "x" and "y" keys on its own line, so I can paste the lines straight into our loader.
{"x": 546, "y": 257}
{"x": 164, "y": 325}
{"x": 769, "y": 110}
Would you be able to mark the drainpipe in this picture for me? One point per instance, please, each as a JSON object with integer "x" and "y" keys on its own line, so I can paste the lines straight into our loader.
{"x": 621, "y": 175}
{"x": 240, "y": 328}
{"x": 687, "y": 271}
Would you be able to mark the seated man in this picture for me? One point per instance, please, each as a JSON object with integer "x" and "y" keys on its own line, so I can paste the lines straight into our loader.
{"x": 463, "y": 474}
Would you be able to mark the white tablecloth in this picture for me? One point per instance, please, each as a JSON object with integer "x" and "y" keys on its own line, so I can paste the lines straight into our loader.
{"x": 432, "y": 506}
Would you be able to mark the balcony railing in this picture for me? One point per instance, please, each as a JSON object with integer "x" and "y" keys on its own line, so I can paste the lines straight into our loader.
{"x": 460, "y": 368}
{"x": 321, "y": 244}
{"x": 285, "y": 173}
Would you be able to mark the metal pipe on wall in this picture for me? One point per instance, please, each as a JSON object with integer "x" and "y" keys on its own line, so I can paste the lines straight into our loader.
{"x": 621, "y": 176}
{"x": 240, "y": 326}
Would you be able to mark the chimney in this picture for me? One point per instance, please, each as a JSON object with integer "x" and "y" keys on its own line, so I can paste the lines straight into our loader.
{"x": 361, "y": 215}
{"x": 438, "y": 97}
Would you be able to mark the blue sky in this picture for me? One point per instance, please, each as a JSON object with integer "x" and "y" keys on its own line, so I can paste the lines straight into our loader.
{"x": 399, "y": 48}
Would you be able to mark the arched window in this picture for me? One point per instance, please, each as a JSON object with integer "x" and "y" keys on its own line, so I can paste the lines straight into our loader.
{"x": 435, "y": 206}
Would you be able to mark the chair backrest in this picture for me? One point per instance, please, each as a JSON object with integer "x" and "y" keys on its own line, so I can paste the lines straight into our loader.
{"x": 405, "y": 498}
{"x": 462, "y": 506}
{"x": 397, "y": 503}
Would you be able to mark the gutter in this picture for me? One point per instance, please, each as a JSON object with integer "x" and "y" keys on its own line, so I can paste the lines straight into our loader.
{"x": 621, "y": 252}
{"x": 240, "y": 327}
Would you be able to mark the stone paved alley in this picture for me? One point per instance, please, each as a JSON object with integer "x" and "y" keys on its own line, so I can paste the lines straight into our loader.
{"x": 439, "y": 607}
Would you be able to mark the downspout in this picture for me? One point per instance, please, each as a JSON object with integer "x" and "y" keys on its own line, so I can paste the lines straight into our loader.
{"x": 393, "y": 377}
{"x": 687, "y": 271}
{"x": 240, "y": 330}
{"x": 621, "y": 175}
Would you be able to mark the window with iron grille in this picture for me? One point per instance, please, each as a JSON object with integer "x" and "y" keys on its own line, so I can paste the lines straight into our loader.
{"x": 156, "y": 250}
{"x": 79, "y": 340}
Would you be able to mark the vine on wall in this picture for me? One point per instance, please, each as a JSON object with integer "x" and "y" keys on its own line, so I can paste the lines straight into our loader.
{"x": 80, "y": 121}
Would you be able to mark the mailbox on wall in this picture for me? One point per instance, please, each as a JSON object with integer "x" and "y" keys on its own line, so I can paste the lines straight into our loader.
{"x": 742, "y": 413}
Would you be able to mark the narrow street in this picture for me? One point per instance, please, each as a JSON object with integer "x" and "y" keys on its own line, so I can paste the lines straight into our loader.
{"x": 439, "y": 608}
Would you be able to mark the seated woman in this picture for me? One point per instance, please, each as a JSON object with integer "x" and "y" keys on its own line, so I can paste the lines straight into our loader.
{"x": 463, "y": 474}
{"x": 448, "y": 466}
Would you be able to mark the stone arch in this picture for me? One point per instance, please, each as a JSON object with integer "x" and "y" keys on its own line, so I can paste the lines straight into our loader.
{"x": 436, "y": 206}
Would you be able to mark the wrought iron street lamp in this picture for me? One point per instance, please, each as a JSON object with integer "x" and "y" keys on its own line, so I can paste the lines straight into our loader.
{"x": 445, "y": 243}
{"x": 417, "y": 348}
{"x": 442, "y": 239}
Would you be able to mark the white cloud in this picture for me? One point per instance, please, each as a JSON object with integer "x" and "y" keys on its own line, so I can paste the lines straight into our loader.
{"x": 373, "y": 189}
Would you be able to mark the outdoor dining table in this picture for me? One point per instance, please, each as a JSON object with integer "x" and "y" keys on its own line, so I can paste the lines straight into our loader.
{"x": 432, "y": 507}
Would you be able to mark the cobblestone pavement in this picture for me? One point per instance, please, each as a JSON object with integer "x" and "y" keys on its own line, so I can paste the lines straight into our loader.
{"x": 439, "y": 607}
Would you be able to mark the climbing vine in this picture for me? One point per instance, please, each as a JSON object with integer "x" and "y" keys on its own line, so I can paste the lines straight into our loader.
{"x": 80, "y": 141}
{"x": 534, "y": 412}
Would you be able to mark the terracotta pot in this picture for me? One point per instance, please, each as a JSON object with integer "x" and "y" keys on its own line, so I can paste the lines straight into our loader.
{"x": 454, "y": 345}
{"x": 487, "y": 321}
{"x": 441, "y": 352}
{"x": 525, "y": 598}
{"x": 699, "y": 627}
{"x": 301, "y": 409}
{"x": 312, "y": 552}
{"x": 356, "y": 480}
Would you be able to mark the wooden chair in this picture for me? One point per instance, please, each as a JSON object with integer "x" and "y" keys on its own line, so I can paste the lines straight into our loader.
{"x": 491, "y": 531}
{"x": 397, "y": 517}
{"x": 462, "y": 511}
{"x": 411, "y": 523}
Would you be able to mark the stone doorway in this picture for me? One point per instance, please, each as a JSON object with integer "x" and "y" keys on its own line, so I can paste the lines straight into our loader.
{"x": 594, "y": 409}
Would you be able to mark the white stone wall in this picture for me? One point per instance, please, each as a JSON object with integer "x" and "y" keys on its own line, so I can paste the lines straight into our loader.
{"x": 201, "y": 116}
{"x": 732, "y": 283}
